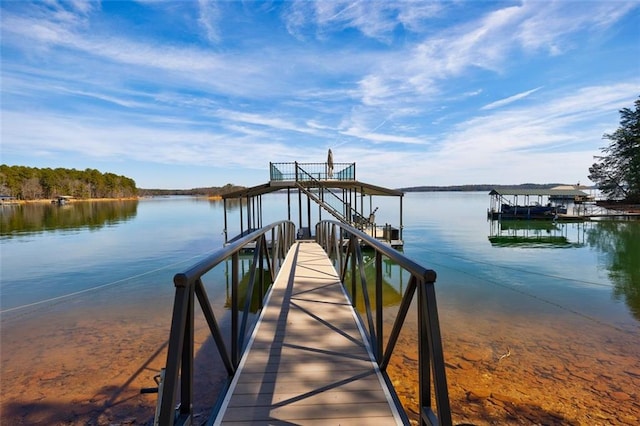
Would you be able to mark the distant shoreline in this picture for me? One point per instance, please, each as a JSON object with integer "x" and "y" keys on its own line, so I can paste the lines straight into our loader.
{"x": 70, "y": 200}
{"x": 94, "y": 200}
{"x": 481, "y": 187}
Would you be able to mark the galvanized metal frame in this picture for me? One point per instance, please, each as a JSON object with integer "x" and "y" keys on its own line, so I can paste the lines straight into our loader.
{"x": 189, "y": 286}
{"x": 343, "y": 243}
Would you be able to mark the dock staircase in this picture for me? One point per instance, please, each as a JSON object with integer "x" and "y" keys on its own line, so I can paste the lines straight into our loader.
{"x": 349, "y": 216}
{"x": 319, "y": 187}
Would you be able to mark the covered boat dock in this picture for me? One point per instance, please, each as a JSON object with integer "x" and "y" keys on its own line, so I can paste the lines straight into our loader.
{"x": 523, "y": 203}
{"x": 333, "y": 187}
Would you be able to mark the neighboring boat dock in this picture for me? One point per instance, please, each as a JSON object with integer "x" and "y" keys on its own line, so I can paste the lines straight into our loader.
{"x": 7, "y": 200}
{"x": 565, "y": 203}
{"x": 62, "y": 200}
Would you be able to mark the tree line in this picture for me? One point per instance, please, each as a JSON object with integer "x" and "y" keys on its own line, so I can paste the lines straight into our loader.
{"x": 211, "y": 191}
{"x": 32, "y": 183}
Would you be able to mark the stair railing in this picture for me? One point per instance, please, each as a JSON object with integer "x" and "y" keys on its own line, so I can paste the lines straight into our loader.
{"x": 304, "y": 176}
{"x": 281, "y": 172}
{"x": 343, "y": 244}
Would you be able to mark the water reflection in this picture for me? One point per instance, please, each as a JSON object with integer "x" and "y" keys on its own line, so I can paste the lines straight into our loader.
{"x": 394, "y": 280}
{"x": 36, "y": 218}
{"x": 619, "y": 242}
{"x": 536, "y": 233}
{"x": 245, "y": 268}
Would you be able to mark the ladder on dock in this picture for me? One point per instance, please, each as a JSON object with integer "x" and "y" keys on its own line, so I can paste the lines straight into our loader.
{"x": 310, "y": 358}
{"x": 308, "y": 361}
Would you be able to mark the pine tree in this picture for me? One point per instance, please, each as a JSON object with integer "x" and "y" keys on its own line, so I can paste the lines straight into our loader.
{"x": 617, "y": 171}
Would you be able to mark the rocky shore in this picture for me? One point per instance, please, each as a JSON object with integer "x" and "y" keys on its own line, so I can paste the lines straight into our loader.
{"x": 571, "y": 373}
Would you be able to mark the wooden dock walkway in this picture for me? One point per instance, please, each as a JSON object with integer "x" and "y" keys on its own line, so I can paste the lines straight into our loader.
{"x": 308, "y": 362}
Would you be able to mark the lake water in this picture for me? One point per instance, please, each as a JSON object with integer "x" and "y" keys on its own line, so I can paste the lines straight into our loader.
{"x": 540, "y": 322}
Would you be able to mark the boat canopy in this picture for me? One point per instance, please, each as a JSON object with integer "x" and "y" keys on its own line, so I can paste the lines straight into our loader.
{"x": 353, "y": 185}
{"x": 538, "y": 192}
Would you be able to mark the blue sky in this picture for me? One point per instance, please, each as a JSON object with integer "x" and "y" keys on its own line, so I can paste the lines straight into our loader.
{"x": 183, "y": 94}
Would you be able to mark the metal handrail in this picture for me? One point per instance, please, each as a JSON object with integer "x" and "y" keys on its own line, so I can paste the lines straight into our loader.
{"x": 303, "y": 175}
{"x": 267, "y": 255}
{"x": 321, "y": 171}
{"x": 343, "y": 244}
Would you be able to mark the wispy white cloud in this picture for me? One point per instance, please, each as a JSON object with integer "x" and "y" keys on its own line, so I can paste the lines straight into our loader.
{"x": 553, "y": 140}
{"x": 333, "y": 16}
{"x": 487, "y": 42}
{"x": 510, "y": 99}
{"x": 374, "y": 19}
{"x": 372, "y": 136}
{"x": 263, "y": 120}
{"x": 209, "y": 19}
{"x": 449, "y": 53}
{"x": 103, "y": 139}
{"x": 564, "y": 129}
{"x": 555, "y": 26}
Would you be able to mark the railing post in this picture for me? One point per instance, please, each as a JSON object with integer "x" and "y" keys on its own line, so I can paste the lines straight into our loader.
{"x": 261, "y": 272}
{"x": 186, "y": 387}
{"x": 379, "y": 309}
{"x": 431, "y": 356}
{"x": 352, "y": 242}
{"x": 340, "y": 243}
{"x": 174, "y": 352}
{"x": 235, "y": 354}
{"x": 319, "y": 237}
{"x": 424, "y": 360}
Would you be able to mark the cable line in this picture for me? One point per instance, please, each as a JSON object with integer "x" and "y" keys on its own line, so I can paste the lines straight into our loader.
{"x": 517, "y": 290}
{"x": 512, "y": 268}
{"x": 101, "y": 286}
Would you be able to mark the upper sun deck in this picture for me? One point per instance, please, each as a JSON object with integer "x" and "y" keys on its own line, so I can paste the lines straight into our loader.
{"x": 313, "y": 175}
{"x": 301, "y": 172}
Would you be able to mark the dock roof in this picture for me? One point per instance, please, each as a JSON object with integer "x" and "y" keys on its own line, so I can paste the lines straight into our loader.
{"x": 540, "y": 192}
{"x": 354, "y": 185}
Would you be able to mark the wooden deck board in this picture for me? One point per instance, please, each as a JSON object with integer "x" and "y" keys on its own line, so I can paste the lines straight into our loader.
{"x": 308, "y": 363}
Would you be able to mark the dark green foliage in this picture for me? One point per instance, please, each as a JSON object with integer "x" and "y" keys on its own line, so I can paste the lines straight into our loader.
{"x": 208, "y": 192}
{"x": 617, "y": 172}
{"x": 41, "y": 217}
{"x": 619, "y": 241}
{"x": 31, "y": 183}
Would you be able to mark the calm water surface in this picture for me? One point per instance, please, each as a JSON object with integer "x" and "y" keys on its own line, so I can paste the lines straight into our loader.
{"x": 595, "y": 270}
{"x": 88, "y": 286}
{"x": 50, "y": 251}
